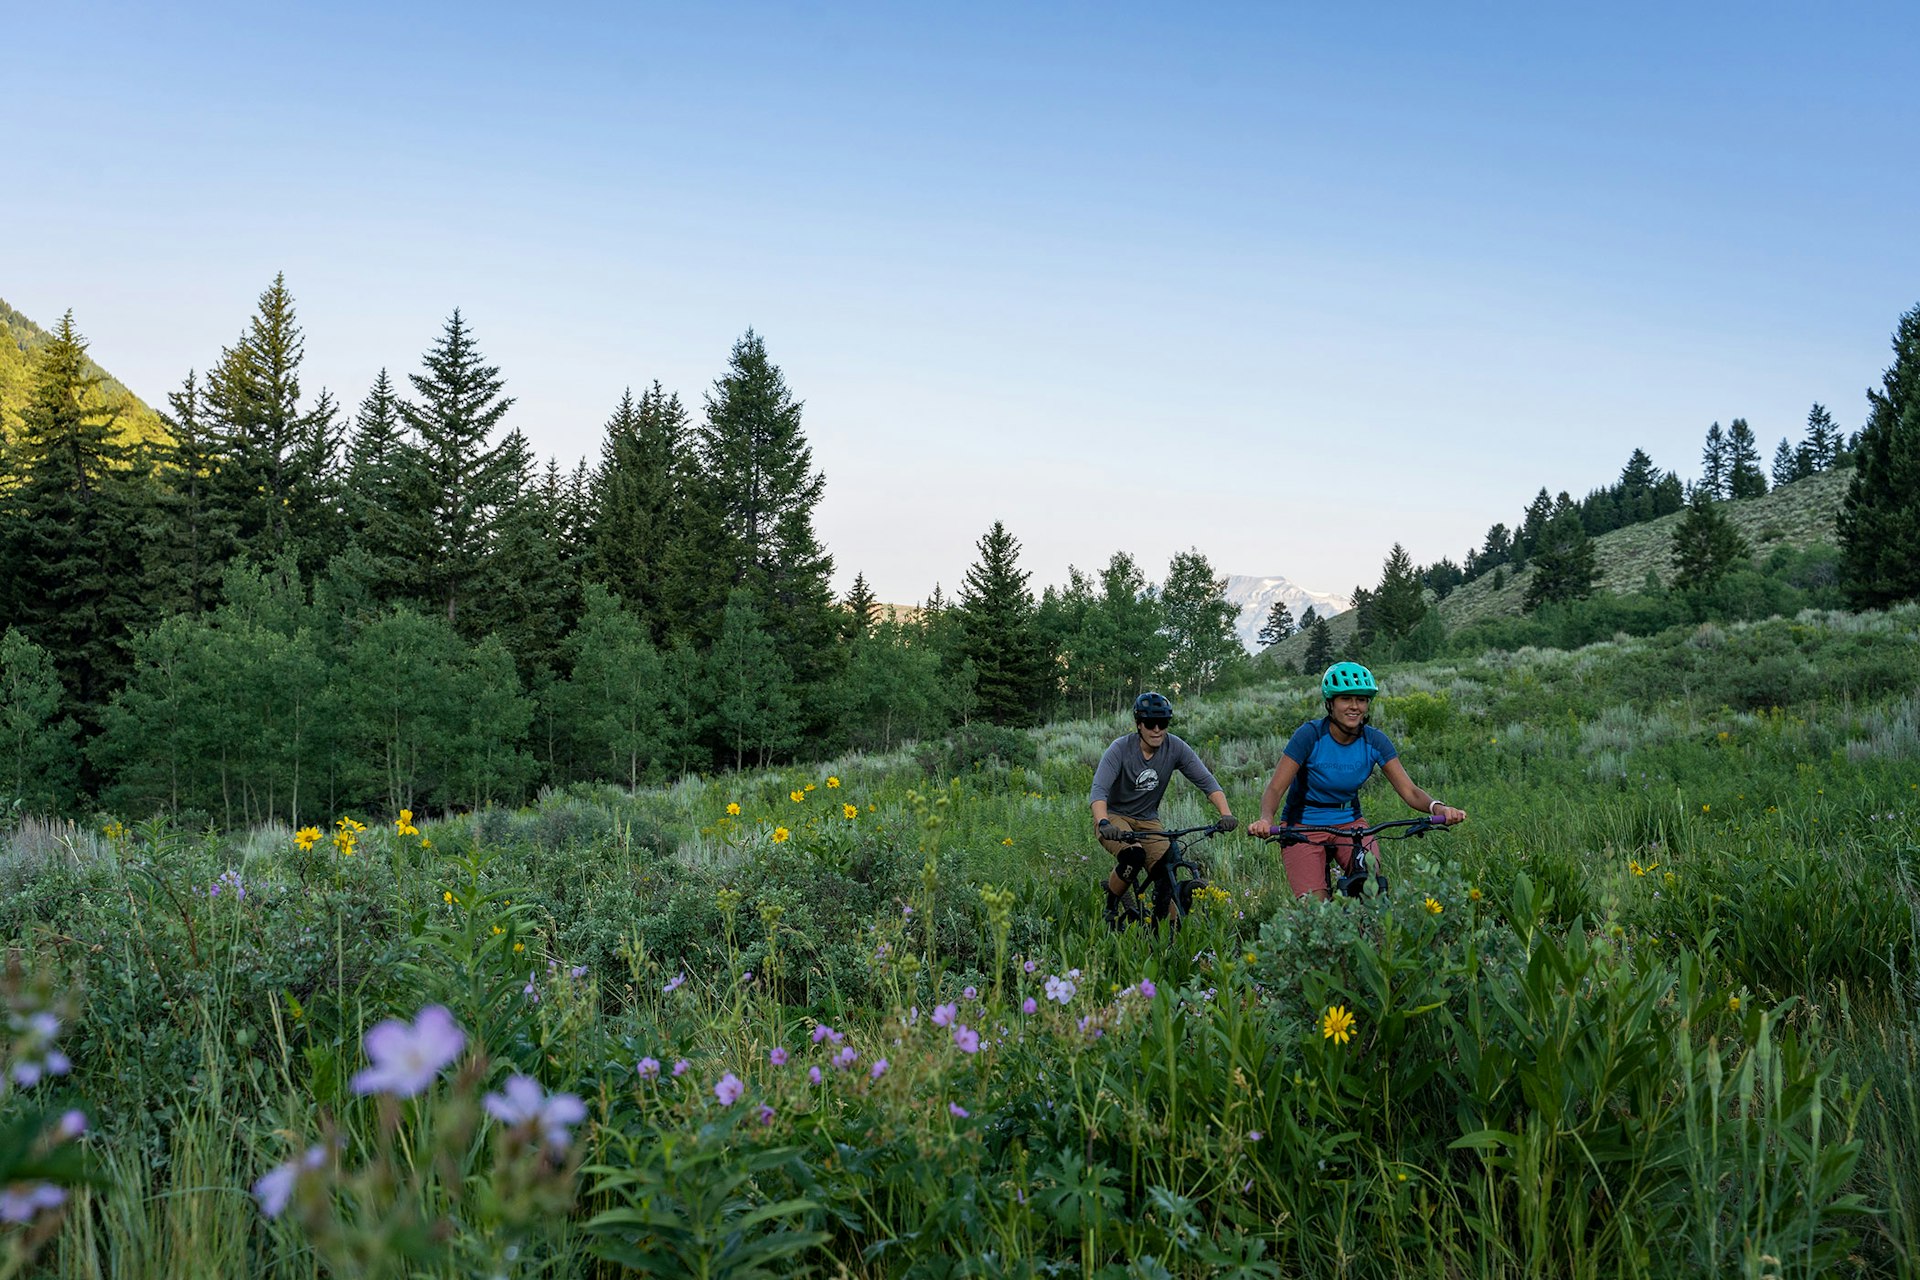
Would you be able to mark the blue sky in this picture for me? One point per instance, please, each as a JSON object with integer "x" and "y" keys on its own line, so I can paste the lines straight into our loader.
{"x": 1282, "y": 282}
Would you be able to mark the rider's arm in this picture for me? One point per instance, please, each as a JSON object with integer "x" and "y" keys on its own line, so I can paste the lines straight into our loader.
{"x": 1189, "y": 763}
{"x": 1415, "y": 796}
{"x": 1105, "y": 774}
{"x": 1275, "y": 791}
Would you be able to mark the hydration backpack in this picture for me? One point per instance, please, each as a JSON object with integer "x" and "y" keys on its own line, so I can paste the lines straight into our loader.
{"x": 1296, "y": 804}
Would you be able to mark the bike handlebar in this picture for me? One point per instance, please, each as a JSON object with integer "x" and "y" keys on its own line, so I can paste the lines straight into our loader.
{"x": 1413, "y": 827}
{"x": 1135, "y": 837}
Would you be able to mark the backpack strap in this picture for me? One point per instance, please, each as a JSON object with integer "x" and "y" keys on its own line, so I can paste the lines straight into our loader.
{"x": 1297, "y": 792}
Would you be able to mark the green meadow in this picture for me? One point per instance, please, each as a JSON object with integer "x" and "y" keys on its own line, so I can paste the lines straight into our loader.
{"x": 1650, "y": 1012}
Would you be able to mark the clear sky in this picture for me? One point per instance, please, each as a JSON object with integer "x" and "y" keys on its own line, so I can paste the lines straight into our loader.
{"x": 1285, "y": 282}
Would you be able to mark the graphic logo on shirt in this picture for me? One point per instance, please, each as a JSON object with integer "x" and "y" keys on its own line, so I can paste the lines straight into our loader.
{"x": 1147, "y": 779}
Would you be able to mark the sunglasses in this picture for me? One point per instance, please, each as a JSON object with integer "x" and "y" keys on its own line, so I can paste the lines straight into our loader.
{"x": 1155, "y": 724}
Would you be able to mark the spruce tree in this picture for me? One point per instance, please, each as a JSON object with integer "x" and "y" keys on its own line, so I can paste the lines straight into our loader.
{"x": 193, "y": 532}
{"x": 1563, "y": 565}
{"x": 1823, "y": 440}
{"x": 278, "y": 482}
{"x": 1308, "y": 618}
{"x": 1706, "y": 546}
{"x": 1745, "y": 479}
{"x": 750, "y": 522}
{"x": 1533, "y": 525}
{"x": 38, "y": 762}
{"x": 1788, "y": 465}
{"x": 524, "y": 592}
{"x": 1279, "y": 624}
{"x": 72, "y": 542}
{"x": 636, "y": 506}
{"x": 1319, "y": 654}
{"x": 1399, "y": 604}
{"x": 1716, "y": 463}
{"x": 998, "y": 633}
{"x": 1879, "y": 522}
{"x": 860, "y": 605}
{"x": 388, "y": 500}
{"x": 749, "y": 688}
{"x": 468, "y": 476}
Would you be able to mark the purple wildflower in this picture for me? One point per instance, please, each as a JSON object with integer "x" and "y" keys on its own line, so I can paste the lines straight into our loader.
{"x": 275, "y": 1187}
{"x": 813, "y": 1074}
{"x": 681, "y": 1068}
{"x": 17, "y": 1205}
{"x": 524, "y": 1102}
{"x": 777, "y": 1056}
{"x": 407, "y": 1057}
{"x": 765, "y": 1113}
{"x": 943, "y": 1014}
{"x": 729, "y": 1089}
{"x": 578, "y": 971}
{"x": 649, "y": 1068}
{"x": 673, "y": 983}
{"x": 1029, "y": 966}
{"x": 1029, "y": 1005}
{"x": 846, "y": 1058}
{"x": 1147, "y": 988}
{"x": 71, "y": 1125}
{"x": 970, "y": 994}
{"x": 957, "y": 1111}
{"x": 967, "y": 1039}
{"x": 879, "y": 1068}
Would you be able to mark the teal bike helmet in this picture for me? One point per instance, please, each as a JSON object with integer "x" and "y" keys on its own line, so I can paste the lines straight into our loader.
{"x": 1348, "y": 677}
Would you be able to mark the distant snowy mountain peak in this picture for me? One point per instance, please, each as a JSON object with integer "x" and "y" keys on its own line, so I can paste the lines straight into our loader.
{"x": 1255, "y": 596}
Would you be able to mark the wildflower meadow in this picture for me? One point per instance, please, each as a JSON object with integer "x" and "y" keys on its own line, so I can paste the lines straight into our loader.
{"x": 1650, "y": 1012}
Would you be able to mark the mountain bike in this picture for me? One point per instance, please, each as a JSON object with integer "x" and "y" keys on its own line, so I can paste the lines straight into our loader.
{"x": 1351, "y": 880}
{"x": 1174, "y": 879}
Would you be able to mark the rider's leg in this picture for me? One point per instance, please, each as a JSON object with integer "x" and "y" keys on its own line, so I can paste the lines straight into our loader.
{"x": 1306, "y": 865}
{"x": 1150, "y": 849}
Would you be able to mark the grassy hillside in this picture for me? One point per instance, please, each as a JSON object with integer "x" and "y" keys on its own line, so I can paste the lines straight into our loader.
{"x": 1796, "y": 515}
{"x": 1647, "y": 1014}
{"x": 20, "y": 343}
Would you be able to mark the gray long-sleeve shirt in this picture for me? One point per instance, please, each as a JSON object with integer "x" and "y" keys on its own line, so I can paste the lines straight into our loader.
{"x": 1132, "y": 785}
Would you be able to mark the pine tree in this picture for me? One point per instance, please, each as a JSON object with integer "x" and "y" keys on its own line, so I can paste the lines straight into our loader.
{"x": 1279, "y": 624}
{"x": 194, "y": 535}
{"x": 1319, "y": 654}
{"x": 387, "y": 500}
{"x": 1202, "y": 644}
{"x": 1366, "y": 622}
{"x": 524, "y": 593}
{"x": 1879, "y": 522}
{"x": 1308, "y": 618}
{"x": 1399, "y": 604}
{"x": 1716, "y": 463}
{"x": 277, "y": 482}
{"x": 637, "y": 496}
{"x": 752, "y": 511}
{"x": 69, "y": 530}
{"x": 860, "y": 605}
{"x": 1745, "y": 479}
{"x": 1533, "y": 524}
{"x": 996, "y": 613}
{"x": 1706, "y": 546}
{"x": 1563, "y": 565}
{"x": 467, "y": 478}
{"x": 617, "y": 693}
{"x": 1823, "y": 439}
{"x": 1788, "y": 465}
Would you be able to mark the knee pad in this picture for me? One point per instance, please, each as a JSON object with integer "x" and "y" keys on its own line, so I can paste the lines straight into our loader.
{"x": 1131, "y": 858}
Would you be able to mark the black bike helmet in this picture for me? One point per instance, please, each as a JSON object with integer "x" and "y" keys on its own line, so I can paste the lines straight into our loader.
{"x": 1152, "y": 706}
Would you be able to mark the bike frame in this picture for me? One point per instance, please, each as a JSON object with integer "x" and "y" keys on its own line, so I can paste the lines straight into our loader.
{"x": 1352, "y": 882}
{"x": 1177, "y": 893}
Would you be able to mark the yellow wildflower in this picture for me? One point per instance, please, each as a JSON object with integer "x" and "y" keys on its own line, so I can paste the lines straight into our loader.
{"x": 1008, "y": 841}
{"x": 1473, "y": 894}
{"x": 306, "y": 838}
{"x": 809, "y": 786}
{"x": 832, "y": 783}
{"x": 796, "y": 796}
{"x": 733, "y": 809}
{"x": 447, "y": 897}
{"x": 1706, "y": 808}
{"x": 497, "y": 931}
{"x": 1249, "y": 957}
{"x": 1337, "y": 1026}
{"x": 425, "y": 843}
{"x": 849, "y": 811}
{"x": 1433, "y": 907}
{"x": 1733, "y": 1004}
{"x": 780, "y": 835}
{"x": 519, "y": 946}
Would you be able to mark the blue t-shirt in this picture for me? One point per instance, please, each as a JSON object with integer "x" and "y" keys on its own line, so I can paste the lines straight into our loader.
{"x": 1335, "y": 773}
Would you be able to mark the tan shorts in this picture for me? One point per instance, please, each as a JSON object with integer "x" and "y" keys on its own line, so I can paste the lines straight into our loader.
{"x": 1153, "y": 849}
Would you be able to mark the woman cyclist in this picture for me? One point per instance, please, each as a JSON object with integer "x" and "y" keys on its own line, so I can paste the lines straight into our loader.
{"x": 1320, "y": 773}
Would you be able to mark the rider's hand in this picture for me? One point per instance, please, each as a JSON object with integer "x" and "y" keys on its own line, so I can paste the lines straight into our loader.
{"x": 1450, "y": 815}
{"x": 1259, "y": 827}
{"x": 1227, "y": 822}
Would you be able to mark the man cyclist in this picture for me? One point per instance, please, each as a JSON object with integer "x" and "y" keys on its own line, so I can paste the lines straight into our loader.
{"x": 1132, "y": 776}
{"x": 1321, "y": 771}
